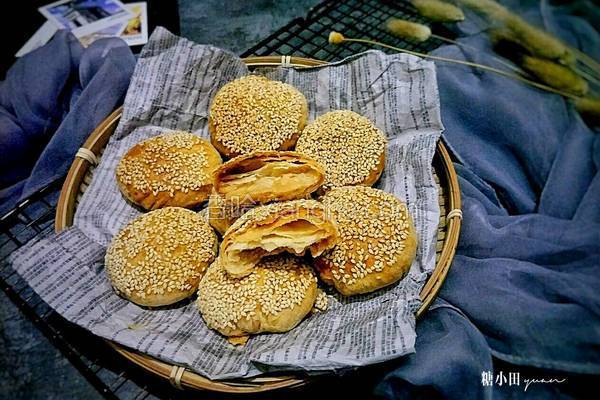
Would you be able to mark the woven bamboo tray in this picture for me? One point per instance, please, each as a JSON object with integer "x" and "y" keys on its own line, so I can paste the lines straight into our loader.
{"x": 80, "y": 175}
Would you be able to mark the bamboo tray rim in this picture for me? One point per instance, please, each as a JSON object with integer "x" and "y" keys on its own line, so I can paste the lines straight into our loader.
{"x": 97, "y": 141}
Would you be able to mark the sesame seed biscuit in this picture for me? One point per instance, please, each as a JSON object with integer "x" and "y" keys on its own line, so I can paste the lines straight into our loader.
{"x": 348, "y": 145}
{"x": 377, "y": 242}
{"x": 279, "y": 292}
{"x": 174, "y": 169}
{"x": 261, "y": 177}
{"x": 255, "y": 113}
{"x": 291, "y": 226}
{"x": 158, "y": 258}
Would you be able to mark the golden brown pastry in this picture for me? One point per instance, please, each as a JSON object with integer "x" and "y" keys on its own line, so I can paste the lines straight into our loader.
{"x": 292, "y": 226}
{"x": 221, "y": 214}
{"x": 254, "y": 113}
{"x": 264, "y": 176}
{"x": 174, "y": 169}
{"x": 349, "y": 146}
{"x": 158, "y": 258}
{"x": 259, "y": 178}
{"x": 279, "y": 292}
{"x": 377, "y": 241}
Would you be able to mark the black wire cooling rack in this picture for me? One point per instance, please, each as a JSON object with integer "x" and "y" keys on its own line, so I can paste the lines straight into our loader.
{"x": 92, "y": 357}
{"x": 307, "y": 37}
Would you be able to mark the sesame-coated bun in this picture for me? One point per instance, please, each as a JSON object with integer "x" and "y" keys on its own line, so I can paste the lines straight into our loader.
{"x": 174, "y": 169}
{"x": 255, "y": 113}
{"x": 377, "y": 242}
{"x": 279, "y": 292}
{"x": 293, "y": 226}
{"x": 349, "y": 146}
{"x": 159, "y": 258}
{"x": 221, "y": 214}
{"x": 261, "y": 177}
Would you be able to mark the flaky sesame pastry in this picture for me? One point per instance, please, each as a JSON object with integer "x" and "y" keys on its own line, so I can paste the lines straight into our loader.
{"x": 174, "y": 169}
{"x": 158, "y": 258}
{"x": 277, "y": 294}
{"x": 349, "y": 146}
{"x": 257, "y": 178}
{"x": 377, "y": 242}
{"x": 293, "y": 226}
{"x": 254, "y": 113}
{"x": 261, "y": 177}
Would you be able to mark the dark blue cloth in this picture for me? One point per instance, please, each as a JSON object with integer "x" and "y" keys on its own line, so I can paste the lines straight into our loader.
{"x": 524, "y": 287}
{"x": 50, "y": 101}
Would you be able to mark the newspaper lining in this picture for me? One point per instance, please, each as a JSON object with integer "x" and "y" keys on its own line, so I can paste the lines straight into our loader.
{"x": 171, "y": 89}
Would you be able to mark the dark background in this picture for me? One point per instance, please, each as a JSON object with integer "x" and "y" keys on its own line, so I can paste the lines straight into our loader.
{"x": 23, "y": 19}
{"x": 231, "y": 24}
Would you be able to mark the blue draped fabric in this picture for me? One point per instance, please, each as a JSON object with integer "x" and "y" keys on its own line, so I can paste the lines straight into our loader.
{"x": 50, "y": 101}
{"x": 524, "y": 287}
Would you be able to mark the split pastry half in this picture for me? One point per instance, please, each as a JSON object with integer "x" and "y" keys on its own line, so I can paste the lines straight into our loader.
{"x": 265, "y": 176}
{"x": 293, "y": 226}
{"x": 259, "y": 178}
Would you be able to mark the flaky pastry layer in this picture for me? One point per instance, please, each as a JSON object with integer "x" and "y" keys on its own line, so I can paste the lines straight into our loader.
{"x": 293, "y": 226}
{"x": 264, "y": 176}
